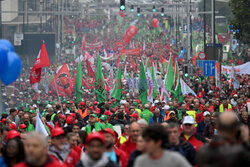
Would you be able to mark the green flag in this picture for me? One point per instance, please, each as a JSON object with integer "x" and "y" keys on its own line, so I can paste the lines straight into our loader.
{"x": 170, "y": 77}
{"x": 117, "y": 91}
{"x": 79, "y": 83}
{"x": 155, "y": 90}
{"x": 178, "y": 91}
{"x": 99, "y": 82}
{"x": 143, "y": 95}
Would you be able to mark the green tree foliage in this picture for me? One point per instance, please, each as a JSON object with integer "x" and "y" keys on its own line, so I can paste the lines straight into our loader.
{"x": 240, "y": 20}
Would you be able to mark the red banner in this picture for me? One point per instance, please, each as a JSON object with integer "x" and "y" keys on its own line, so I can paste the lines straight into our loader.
{"x": 127, "y": 52}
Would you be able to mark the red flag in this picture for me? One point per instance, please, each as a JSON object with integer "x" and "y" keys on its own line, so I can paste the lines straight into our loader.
{"x": 133, "y": 64}
{"x": 91, "y": 73}
{"x": 62, "y": 82}
{"x": 42, "y": 60}
{"x": 83, "y": 44}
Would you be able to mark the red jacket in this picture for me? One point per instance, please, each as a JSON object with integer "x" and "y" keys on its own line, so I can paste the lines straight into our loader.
{"x": 123, "y": 157}
{"x": 50, "y": 163}
{"x": 128, "y": 146}
{"x": 71, "y": 159}
{"x": 196, "y": 140}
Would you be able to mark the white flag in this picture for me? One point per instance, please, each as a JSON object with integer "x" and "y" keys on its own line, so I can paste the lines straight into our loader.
{"x": 39, "y": 125}
{"x": 186, "y": 89}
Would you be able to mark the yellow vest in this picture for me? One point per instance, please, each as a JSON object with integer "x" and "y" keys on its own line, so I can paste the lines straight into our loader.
{"x": 222, "y": 107}
{"x": 192, "y": 113}
{"x": 122, "y": 139}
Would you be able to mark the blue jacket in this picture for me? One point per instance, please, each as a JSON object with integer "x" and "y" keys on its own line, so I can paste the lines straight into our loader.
{"x": 201, "y": 127}
{"x": 154, "y": 120}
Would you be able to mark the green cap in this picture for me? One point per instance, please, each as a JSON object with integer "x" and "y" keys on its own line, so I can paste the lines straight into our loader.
{"x": 5, "y": 113}
{"x": 26, "y": 110}
{"x": 135, "y": 104}
{"x": 46, "y": 102}
{"x": 93, "y": 115}
{"x": 32, "y": 111}
{"x": 38, "y": 102}
{"x": 103, "y": 117}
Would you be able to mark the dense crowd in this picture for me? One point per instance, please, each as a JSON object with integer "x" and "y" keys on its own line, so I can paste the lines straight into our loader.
{"x": 209, "y": 129}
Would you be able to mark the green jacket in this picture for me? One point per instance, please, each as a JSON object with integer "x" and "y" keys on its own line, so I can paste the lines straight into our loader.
{"x": 146, "y": 114}
{"x": 98, "y": 127}
{"x": 30, "y": 128}
{"x": 108, "y": 125}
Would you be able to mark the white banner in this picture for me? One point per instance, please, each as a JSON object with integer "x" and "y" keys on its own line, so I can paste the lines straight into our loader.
{"x": 241, "y": 69}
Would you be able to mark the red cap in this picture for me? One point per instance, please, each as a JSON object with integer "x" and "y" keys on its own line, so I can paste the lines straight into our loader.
{"x": 108, "y": 130}
{"x": 107, "y": 113}
{"x": 12, "y": 134}
{"x": 109, "y": 102}
{"x": 57, "y": 132}
{"x": 95, "y": 102}
{"x": 69, "y": 120}
{"x": 137, "y": 101}
{"x": 62, "y": 116}
{"x": 81, "y": 104}
{"x": 3, "y": 120}
{"x": 113, "y": 100}
{"x": 136, "y": 116}
{"x": 71, "y": 102}
{"x": 13, "y": 126}
{"x": 95, "y": 135}
{"x": 73, "y": 115}
{"x": 22, "y": 126}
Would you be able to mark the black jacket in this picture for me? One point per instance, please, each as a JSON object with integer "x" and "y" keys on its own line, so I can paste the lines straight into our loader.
{"x": 186, "y": 149}
{"x": 132, "y": 158}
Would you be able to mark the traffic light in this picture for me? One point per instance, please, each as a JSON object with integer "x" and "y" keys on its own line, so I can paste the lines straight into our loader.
{"x": 122, "y": 5}
{"x": 132, "y": 8}
{"x": 162, "y": 11}
{"x": 138, "y": 11}
{"x": 154, "y": 10}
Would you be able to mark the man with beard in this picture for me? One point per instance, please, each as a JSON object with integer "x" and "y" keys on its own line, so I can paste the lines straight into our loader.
{"x": 26, "y": 121}
{"x": 94, "y": 155}
{"x": 115, "y": 154}
{"x": 36, "y": 146}
{"x": 60, "y": 149}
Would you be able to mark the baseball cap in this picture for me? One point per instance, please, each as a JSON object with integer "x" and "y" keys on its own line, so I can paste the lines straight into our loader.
{"x": 108, "y": 130}
{"x": 188, "y": 120}
{"x": 81, "y": 104}
{"x": 92, "y": 115}
{"x": 171, "y": 112}
{"x": 103, "y": 117}
{"x": 95, "y": 102}
{"x": 206, "y": 113}
{"x": 166, "y": 107}
{"x": 136, "y": 116}
{"x": 235, "y": 95}
{"x": 95, "y": 135}
{"x": 107, "y": 113}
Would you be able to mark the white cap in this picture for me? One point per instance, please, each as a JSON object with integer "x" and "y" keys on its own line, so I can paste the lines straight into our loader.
{"x": 171, "y": 112}
{"x": 34, "y": 105}
{"x": 67, "y": 112}
{"x": 49, "y": 106}
{"x": 123, "y": 101}
{"x": 156, "y": 101}
{"x": 188, "y": 120}
{"x": 166, "y": 107}
{"x": 21, "y": 93}
{"x": 206, "y": 113}
{"x": 235, "y": 95}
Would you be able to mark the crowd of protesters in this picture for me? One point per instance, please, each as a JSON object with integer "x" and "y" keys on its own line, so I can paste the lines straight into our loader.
{"x": 210, "y": 129}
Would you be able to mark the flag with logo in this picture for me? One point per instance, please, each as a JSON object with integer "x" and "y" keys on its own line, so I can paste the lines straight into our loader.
{"x": 62, "y": 82}
{"x": 117, "y": 91}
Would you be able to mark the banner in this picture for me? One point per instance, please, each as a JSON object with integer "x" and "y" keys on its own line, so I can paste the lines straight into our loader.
{"x": 127, "y": 52}
{"x": 119, "y": 45}
{"x": 241, "y": 69}
{"x": 96, "y": 45}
